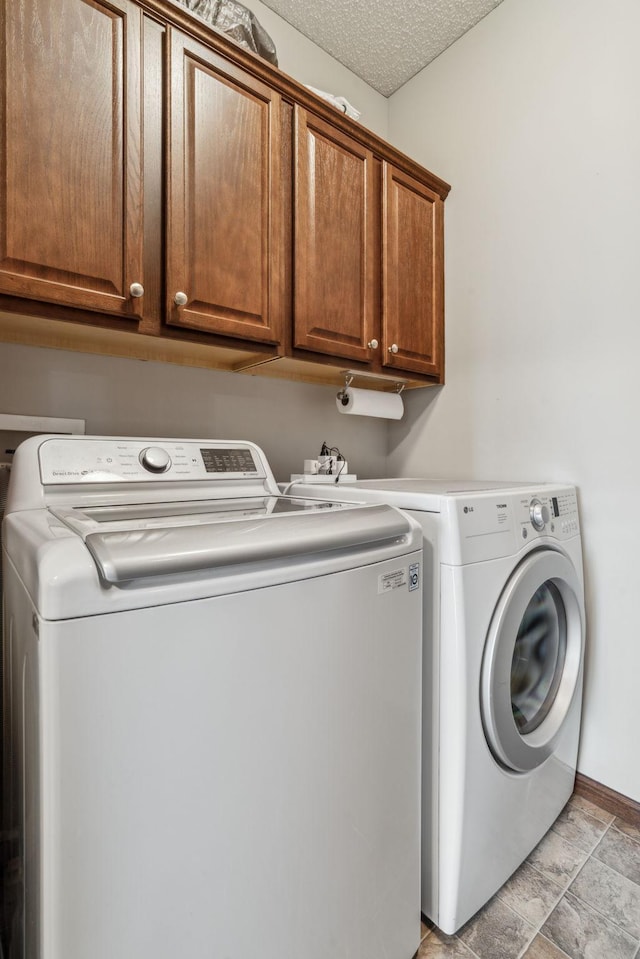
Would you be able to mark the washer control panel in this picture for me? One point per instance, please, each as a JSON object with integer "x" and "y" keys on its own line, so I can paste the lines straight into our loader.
{"x": 64, "y": 462}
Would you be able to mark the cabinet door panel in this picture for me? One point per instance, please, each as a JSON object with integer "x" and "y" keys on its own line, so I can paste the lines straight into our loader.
{"x": 335, "y": 236}
{"x": 225, "y": 226}
{"x": 70, "y": 177}
{"x": 412, "y": 304}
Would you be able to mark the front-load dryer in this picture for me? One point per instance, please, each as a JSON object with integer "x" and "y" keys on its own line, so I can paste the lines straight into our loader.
{"x": 503, "y": 650}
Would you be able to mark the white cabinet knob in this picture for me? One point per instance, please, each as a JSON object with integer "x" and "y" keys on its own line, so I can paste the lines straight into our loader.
{"x": 393, "y": 348}
{"x": 180, "y": 299}
{"x": 136, "y": 289}
{"x": 373, "y": 344}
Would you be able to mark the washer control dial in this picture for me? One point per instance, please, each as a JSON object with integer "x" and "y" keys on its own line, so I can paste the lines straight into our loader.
{"x": 539, "y": 514}
{"x": 155, "y": 459}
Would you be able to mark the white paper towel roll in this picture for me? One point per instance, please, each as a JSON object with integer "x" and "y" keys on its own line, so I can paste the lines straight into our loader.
{"x": 370, "y": 403}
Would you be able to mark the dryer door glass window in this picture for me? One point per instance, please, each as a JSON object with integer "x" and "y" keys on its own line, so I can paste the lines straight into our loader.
{"x": 538, "y": 657}
{"x": 532, "y": 661}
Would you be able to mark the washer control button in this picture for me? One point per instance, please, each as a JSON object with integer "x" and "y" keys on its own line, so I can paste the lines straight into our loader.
{"x": 539, "y": 514}
{"x": 155, "y": 459}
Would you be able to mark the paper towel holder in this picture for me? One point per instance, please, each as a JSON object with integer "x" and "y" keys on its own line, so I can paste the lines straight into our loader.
{"x": 350, "y": 375}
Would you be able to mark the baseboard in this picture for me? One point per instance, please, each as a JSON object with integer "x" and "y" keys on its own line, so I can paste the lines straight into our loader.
{"x": 618, "y": 805}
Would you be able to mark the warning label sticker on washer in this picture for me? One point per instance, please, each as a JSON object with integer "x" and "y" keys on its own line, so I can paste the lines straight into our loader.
{"x": 394, "y": 580}
{"x": 400, "y": 578}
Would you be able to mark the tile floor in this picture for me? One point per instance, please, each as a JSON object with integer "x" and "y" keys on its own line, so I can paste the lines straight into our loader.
{"x": 577, "y": 896}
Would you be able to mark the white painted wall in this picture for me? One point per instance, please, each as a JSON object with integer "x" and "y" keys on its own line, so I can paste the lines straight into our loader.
{"x": 138, "y": 398}
{"x": 533, "y": 118}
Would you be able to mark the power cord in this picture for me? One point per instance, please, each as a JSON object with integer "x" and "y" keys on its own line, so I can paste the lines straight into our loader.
{"x": 333, "y": 451}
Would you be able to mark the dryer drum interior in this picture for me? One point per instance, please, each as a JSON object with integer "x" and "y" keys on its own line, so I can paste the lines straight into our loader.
{"x": 538, "y": 658}
{"x": 531, "y": 661}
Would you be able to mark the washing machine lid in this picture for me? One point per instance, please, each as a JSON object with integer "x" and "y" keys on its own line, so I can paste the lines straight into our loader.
{"x": 532, "y": 660}
{"x": 174, "y": 520}
{"x": 138, "y": 541}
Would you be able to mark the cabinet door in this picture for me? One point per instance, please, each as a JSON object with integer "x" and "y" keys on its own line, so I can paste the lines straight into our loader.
{"x": 70, "y": 160}
{"x": 336, "y": 242}
{"x": 225, "y": 239}
{"x": 412, "y": 277}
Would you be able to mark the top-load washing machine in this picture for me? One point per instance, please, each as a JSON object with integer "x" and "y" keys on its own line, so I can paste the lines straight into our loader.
{"x": 504, "y": 637}
{"x": 212, "y": 709}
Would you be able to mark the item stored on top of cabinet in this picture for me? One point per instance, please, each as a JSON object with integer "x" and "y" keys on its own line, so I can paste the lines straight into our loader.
{"x": 296, "y": 243}
{"x": 340, "y": 103}
{"x": 237, "y": 22}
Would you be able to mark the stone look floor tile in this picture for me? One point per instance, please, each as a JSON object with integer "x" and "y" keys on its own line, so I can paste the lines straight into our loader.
{"x": 579, "y": 802}
{"x": 621, "y": 852}
{"x": 557, "y": 859}
{"x": 584, "y": 933}
{"x": 497, "y": 932}
{"x": 437, "y": 945}
{"x": 627, "y": 828}
{"x": 611, "y": 894}
{"x": 584, "y": 902}
{"x": 530, "y": 894}
{"x": 579, "y": 827}
{"x": 542, "y": 948}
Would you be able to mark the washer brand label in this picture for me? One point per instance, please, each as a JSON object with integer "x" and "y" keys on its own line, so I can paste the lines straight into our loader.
{"x": 394, "y": 580}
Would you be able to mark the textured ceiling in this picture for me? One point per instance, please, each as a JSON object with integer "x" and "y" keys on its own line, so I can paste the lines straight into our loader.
{"x": 385, "y": 42}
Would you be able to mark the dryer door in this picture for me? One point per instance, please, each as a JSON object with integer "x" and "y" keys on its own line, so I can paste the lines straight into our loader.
{"x": 532, "y": 659}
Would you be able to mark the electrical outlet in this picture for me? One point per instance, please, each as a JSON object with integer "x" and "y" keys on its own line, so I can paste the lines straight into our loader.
{"x": 328, "y": 465}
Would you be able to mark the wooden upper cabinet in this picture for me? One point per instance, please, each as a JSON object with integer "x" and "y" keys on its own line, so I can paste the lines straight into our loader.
{"x": 368, "y": 268}
{"x": 412, "y": 275}
{"x": 336, "y": 241}
{"x": 70, "y": 160}
{"x": 139, "y": 148}
{"x": 225, "y": 229}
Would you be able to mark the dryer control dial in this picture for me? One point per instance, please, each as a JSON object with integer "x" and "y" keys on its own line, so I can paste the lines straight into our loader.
{"x": 155, "y": 459}
{"x": 539, "y": 514}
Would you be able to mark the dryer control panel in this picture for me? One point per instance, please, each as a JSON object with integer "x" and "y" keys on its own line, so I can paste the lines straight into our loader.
{"x": 553, "y": 513}
{"x": 490, "y": 524}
